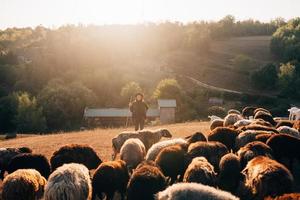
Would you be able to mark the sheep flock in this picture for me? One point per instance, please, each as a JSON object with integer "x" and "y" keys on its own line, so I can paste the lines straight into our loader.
{"x": 247, "y": 155}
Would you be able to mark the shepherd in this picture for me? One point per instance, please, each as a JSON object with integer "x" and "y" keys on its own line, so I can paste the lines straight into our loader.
{"x": 139, "y": 109}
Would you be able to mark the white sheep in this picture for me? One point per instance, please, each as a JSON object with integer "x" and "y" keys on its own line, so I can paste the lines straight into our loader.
{"x": 155, "y": 149}
{"x": 70, "y": 181}
{"x": 242, "y": 122}
{"x": 231, "y": 119}
{"x": 133, "y": 152}
{"x": 193, "y": 191}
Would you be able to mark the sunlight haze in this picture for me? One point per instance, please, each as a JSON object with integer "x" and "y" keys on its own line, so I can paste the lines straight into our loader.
{"x": 19, "y": 13}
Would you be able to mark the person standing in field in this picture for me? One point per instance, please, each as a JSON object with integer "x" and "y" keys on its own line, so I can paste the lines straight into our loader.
{"x": 139, "y": 109}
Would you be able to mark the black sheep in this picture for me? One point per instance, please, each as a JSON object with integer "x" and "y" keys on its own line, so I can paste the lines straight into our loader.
{"x": 75, "y": 153}
{"x": 196, "y": 137}
{"x": 229, "y": 176}
{"x": 30, "y": 161}
{"x": 110, "y": 177}
{"x": 6, "y": 154}
{"x": 285, "y": 147}
{"x": 224, "y": 135}
{"x": 248, "y": 111}
{"x": 146, "y": 180}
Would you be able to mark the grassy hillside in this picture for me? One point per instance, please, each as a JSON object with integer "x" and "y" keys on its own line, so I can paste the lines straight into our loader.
{"x": 216, "y": 67}
{"x": 99, "y": 139}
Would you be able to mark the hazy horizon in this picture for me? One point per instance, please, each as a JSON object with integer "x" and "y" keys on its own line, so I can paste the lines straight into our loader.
{"x": 16, "y": 13}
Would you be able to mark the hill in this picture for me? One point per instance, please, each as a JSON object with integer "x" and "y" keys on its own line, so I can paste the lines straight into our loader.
{"x": 99, "y": 139}
{"x": 216, "y": 67}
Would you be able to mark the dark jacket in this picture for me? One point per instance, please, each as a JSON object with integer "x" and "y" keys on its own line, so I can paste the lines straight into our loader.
{"x": 138, "y": 109}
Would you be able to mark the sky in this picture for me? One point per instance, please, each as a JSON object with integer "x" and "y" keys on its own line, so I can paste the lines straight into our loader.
{"x": 54, "y": 13}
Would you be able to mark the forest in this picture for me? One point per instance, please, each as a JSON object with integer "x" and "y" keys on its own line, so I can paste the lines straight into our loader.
{"x": 48, "y": 76}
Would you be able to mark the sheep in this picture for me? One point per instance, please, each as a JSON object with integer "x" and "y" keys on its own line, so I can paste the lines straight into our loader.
{"x": 229, "y": 176}
{"x": 148, "y": 137}
{"x": 30, "y": 161}
{"x": 263, "y": 137}
{"x": 230, "y": 119}
{"x": 290, "y": 196}
{"x": 75, "y": 153}
{"x": 194, "y": 191}
{"x": 242, "y": 122}
{"x": 69, "y": 182}
{"x": 288, "y": 130}
{"x": 248, "y": 111}
{"x": 23, "y": 184}
{"x": 196, "y": 137}
{"x": 285, "y": 147}
{"x": 297, "y": 125}
{"x": 224, "y": 135}
{"x": 6, "y": 154}
{"x": 261, "y": 122}
{"x": 200, "y": 171}
{"x": 284, "y": 123}
{"x": 257, "y": 127}
{"x": 146, "y": 180}
{"x": 132, "y": 152}
{"x": 156, "y": 148}
{"x": 110, "y": 177}
{"x": 216, "y": 123}
{"x": 261, "y": 110}
{"x": 248, "y": 136}
{"x": 171, "y": 160}
{"x": 233, "y": 111}
{"x": 212, "y": 151}
{"x": 265, "y": 116}
{"x": 266, "y": 177}
{"x": 252, "y": 150}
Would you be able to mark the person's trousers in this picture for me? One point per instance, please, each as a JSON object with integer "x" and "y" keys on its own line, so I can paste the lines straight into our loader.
{"x": 139, "y": 123}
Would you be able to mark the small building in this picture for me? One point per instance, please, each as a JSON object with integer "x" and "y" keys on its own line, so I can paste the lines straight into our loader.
{"x": 108, "y": 117}
{"x": 167, "y": 109}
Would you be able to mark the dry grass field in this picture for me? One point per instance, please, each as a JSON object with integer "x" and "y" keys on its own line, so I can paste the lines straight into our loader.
{"x": 99, "y": 139}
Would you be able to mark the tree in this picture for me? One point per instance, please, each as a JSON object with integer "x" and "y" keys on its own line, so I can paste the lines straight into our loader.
{"x": 64, "y": 104}
{"x": 8, "y": 110}
{"x": 265, "y": 78}
{"x": 129, "y": 90}
{"x": 167, "y": 89}
{"x": 29, "y": 117}
{"x": 285, "y": 42}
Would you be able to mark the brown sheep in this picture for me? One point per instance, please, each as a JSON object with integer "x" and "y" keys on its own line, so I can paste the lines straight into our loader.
{"x": 265, "y": 116}
{"x": 216, "y": 123}
{"x": 284, "y": 123}
{"x": 266, "y": 177}
{"x": 75, "y": 153}
{"x": 248, "y": 136}
{"x": 252, "y": 150}
{"x": 290, "y": 196}
{"x": 171, "y": 160}
{"x": 146, "y": 180}
{"x": 23, "y": 184}
{"x": 261, "y": 110}
{"x": 257, "y": 127}
{"x": 263, "y": 137}
{"x": 200, "y": 171}
{"x": 224, "y": 135}
{"x": 212, "y": 151}
{"x": 110, "y": 177}
{"x": 297, "y": 125}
